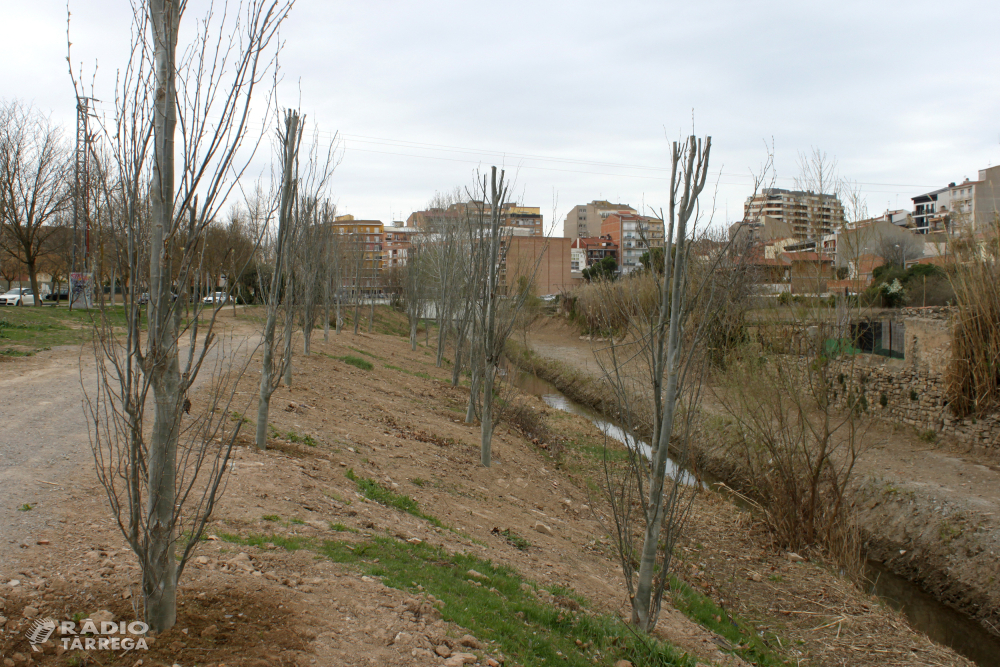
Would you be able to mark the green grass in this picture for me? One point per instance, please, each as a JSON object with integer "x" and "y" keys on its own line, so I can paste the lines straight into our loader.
{"x": 742, "y": 637}
{"x": 514, "y": 539}
{"x": 357, "y": 362}
{"x": 416, "y": 374}
{"x": 500, "y": 608}
{"x": 46, "y": 327}
{"x": 341, "y": 528}
{"x": 307, "y": 440}
{"x": 271, "y": 517}
{"x": 360, "y": 351}
{"x": 375, "y": 491}
{"x": 418, "y": 481}
{"x": 297, "y": 521}
{"x": 25, "y": 507}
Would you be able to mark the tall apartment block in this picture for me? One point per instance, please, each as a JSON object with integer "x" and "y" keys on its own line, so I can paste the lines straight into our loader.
{"x": 810, "y": 215}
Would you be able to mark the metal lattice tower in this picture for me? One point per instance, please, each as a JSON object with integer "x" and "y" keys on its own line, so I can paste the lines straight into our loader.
{"x": 81, "y": 192}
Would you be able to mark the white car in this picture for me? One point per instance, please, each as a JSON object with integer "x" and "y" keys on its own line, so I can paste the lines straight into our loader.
{"x": 19, "y": 296}
{"x": 218, "y": 297}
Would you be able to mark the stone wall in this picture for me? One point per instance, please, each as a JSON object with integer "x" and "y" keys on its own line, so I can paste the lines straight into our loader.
{"x": 913, "y": 388}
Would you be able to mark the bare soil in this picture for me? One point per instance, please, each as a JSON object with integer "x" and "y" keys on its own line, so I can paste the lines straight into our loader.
{"x": 262, "y": 605}
{"x": 930, "y": 511}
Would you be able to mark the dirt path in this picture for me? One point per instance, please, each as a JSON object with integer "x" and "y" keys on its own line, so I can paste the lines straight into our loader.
{"x": 44, "y": 446}
{"x": 932, "y": 511}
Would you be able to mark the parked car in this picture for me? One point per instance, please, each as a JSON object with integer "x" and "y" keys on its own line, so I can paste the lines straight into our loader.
{"x": 144, "y": 298}
{"x": 19, "y": 296}
{"x": 61, "y": 295}
{"x": 217, "y": 297}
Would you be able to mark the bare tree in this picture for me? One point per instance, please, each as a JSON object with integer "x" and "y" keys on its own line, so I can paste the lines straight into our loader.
{"x": 34, "y": 172}
{"x": 413, "y": 288}
{"x": 493, "y": 303}
{"x": 654, "y": 367}
{"x": 163, "y": 478}
{"x": 280, "y": 297}
{"x": 330, "y": 267}
{"x": 897, "y": 249}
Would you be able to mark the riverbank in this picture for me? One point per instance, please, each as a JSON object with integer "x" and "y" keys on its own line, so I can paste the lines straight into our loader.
{"x": 929, "y": 512}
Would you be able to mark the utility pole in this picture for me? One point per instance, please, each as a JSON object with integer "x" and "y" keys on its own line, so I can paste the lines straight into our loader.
{"x": 81, "y": 197}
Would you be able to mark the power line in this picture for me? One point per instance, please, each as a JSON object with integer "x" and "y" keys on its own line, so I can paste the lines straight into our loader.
{"x": 346, "y": 139}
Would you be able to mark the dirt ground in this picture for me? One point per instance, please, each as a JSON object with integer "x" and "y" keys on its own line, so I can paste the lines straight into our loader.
{"x": 245, "y": 604}
{"x": 931, "y": 512}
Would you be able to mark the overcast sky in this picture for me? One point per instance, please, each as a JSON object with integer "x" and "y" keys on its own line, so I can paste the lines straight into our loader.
{"x": 579, "y": 98}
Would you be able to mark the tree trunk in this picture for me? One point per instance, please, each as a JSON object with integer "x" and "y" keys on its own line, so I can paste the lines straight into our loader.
{"x": 160, "y": 573}
{"x": 326, "y": 311}
{"x": 33, "y": 279}
{"x": 414, "y": 319}
{"x": 371, "y": 313}
{"x": 486, "y": 432}
{"x": 273, "y": 297}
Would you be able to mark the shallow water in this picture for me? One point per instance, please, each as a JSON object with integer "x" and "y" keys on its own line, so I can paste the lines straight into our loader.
{"x": 925, "y": 613}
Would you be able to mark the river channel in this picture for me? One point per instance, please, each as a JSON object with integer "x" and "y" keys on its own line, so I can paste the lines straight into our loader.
{"x": 925, "y": 613}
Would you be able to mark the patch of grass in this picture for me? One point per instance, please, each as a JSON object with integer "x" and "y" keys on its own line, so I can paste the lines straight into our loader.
{"x": 501, "y": 608}
{"x": 297, "y": 521}
{"x": 420, "y": 482}
{"x": 307, "y": 440}
{"x": 929, "y": 436}
{"x": 513, "y": 539}
{"x": 26, "y": 507}
{"x": 239, "y": 417}
{"x": 271, "y": 517}
{"x": 375, "y": 491}
{"x": 357, "y": 362}
{"x": 741, "y": 635}
{"x": 293, "y": 543}
{"x": 360, "y": 351}
{"x": 341, "y": 528}
{"x": 949, "y": 532}
{"x": 416, "y": 374}
{"x": 11, "y": 352}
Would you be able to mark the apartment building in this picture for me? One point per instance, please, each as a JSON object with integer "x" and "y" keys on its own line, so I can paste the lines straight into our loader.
{"x": 584, "y": 220}
{"x": 634, "y": 235}
{"x": 524, "y": 220}
{"x": 810, "y": 215}
{"x": 397, "y": 241}
{"x": 362, "y": 243}
{"x": 966, "y": 205}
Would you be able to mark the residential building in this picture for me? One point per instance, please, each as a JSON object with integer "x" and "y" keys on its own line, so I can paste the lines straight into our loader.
{"x": 362, "y": 240}
{"x": 809, "y": 214}
{"x": 876, "y": 236}
{"x": 759, "y": 230}
{"x": 634, "y": 234}
{"x": 397, "y": 241}
{"x": 584, "y": 220}
{"x": 589, "y": 251}
{"x": 966, "y": 205}
{"x": 524, "y": 220}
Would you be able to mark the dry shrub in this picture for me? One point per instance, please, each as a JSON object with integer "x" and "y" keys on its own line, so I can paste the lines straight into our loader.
{"x": 798, "y": 428}
{"x": 636, "y": 291}
{"x": 974, "y": 374}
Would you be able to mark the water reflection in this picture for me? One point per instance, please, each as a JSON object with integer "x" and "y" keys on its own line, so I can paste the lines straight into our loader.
{"x": 925, "y": 613}
{"x": 533, "y": 384}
